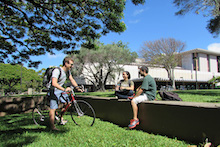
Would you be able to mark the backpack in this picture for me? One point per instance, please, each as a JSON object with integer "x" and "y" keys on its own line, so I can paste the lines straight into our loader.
{"x": 47, "y": 76}
{"x": 169, "y": 96}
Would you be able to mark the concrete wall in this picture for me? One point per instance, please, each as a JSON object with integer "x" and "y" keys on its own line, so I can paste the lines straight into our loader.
{"x": 203, "y": 63}
{"x": 12, "y": 105}
{"x": 213, "y": 64}
{"x": 192, "y": 122}
{"x": 187, "y": 62}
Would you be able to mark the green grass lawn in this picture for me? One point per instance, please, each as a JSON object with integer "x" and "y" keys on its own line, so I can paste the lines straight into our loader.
{"x": 208, "y": 95}
{"x": 19, "y": 130}
{"x": 211, "y": 96}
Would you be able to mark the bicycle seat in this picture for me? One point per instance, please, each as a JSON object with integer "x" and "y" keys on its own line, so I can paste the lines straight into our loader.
{"x": 45, "y": 90}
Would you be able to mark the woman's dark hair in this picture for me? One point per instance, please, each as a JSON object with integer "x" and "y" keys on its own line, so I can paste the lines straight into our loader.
{"x": 129, "y": 76}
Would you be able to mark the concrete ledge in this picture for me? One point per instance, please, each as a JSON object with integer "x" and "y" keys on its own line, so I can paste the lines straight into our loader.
{"x": 12, "y": 105}
{"x": 192, "y": 122}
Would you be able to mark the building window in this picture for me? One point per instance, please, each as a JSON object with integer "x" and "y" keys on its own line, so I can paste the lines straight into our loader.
{"x": 208, "y": 63}
{"x": 218, "y": 63}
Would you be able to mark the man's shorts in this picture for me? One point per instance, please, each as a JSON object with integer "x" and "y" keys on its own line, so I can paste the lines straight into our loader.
{"x": 56, "y": 97}
{"x": 140, "y": 99}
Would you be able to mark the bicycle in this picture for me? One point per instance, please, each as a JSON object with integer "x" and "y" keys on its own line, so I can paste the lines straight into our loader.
{"x": 81, "y": 111}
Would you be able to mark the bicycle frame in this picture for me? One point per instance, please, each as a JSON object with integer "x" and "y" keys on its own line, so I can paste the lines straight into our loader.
{"x": 79, "y": 109}
{"x": 69, "y": 103}
{"x": 73, "y": 101}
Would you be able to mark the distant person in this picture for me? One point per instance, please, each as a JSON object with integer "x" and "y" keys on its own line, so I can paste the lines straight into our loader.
{"x": 57, "y": 88}
{"x": 125, "y": 87}
{"x": 146, "y": 92}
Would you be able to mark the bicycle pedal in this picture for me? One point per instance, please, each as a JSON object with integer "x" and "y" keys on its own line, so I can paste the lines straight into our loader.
{"x": 42, "y": 119}
{"x": 57, "y": 118}
{"x": 63, "y": 122}
{"x": 80, "y": 114}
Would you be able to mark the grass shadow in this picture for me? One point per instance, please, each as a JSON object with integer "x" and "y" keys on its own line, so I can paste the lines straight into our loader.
{"x": 19, "y": 130}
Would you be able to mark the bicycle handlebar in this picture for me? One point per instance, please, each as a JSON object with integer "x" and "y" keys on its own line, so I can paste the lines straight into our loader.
{"x": 72, "y": 88}
{"x": 80, "y": 87}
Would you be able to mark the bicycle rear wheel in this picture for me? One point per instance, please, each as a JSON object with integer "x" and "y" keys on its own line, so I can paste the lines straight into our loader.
{"x": 40, "y": 113}
{"x": 82, "y": 113}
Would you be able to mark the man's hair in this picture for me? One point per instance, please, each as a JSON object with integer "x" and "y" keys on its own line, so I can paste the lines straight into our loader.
{"x": 144, "y": 68}
{"x": 129, "y": 76}
{"x": 67, "y": 59}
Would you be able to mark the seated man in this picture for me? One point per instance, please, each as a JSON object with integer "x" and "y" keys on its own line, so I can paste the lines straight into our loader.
{"x": 125, "y": 87}
{"x": 146, "y": 92}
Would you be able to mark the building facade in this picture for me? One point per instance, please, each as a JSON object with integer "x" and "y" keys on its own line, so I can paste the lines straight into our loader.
{"x": 198, "y": 66}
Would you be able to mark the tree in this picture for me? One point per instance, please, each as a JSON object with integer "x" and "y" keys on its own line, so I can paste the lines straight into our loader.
{"x": 214, "y": 81}
{"x": 16, "y": 77}
{"x": 100, "y": 65}
{"x": 163, "y": 52}
{"x": 210, "y": 8}
{"x": 35, "y": 27}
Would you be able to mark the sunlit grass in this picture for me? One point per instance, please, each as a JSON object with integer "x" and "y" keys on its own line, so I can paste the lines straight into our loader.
{"x": 19, "y": 130}
{"x": 207, "y": 95}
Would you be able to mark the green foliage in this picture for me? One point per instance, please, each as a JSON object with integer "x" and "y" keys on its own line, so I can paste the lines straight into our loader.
{"x": 33, "y": 28}
{"x": 214, "y": 80}
{"x": 10, "y": 78}
{"x": 100, "y": 64}
{"x": 210, "y": 8}
{"x": 136, "y": 2}
{"x": 19, "y": 130}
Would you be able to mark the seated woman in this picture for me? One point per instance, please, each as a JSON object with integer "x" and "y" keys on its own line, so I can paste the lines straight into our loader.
{"x": 125, "y": 87}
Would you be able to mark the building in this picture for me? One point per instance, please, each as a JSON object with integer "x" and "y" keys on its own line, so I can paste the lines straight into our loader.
{"x": 198, "y": 66}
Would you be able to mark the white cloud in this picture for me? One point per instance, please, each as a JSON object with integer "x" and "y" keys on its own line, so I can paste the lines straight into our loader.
{"x": 136, "y": 12}
{"x": 214, "y": 47}
{"x": 60, "y": 55}
{"x": 134, "y": 21}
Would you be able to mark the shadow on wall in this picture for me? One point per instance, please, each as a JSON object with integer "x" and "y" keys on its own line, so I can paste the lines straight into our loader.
{"x": 12, "y": 105}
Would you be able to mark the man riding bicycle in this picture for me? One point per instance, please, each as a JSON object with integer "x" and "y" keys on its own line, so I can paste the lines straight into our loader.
{"x": 57, "y": 89}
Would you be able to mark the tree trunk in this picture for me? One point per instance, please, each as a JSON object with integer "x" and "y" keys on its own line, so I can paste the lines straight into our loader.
{"x": 171, "y": 77}
{"x": 102, "y": 87}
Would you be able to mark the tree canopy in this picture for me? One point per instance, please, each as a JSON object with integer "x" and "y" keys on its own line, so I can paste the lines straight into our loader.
{"x": 99, "y": 66}
{"x": 17, "y": 77}
{"x": 163, "y": 52}
{"x": 209, "y": 8}
{"x": 35, "y": 27}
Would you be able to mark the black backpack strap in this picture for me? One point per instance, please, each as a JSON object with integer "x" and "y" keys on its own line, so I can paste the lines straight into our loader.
{"x": 59, "y": 74}
{"x": 129, "y": 82}
{"x": 161, "y": 93}
{"x": 68, "y": 74}
{"x": 120, "y": 83}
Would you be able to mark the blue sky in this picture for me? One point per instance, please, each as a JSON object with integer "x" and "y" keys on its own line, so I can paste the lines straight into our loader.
{"x": 154, "y": 20}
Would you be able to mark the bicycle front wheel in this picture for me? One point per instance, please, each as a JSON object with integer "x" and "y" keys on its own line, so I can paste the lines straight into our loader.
{"x": 40, "y": 114}
{"x": 82, "y": 113}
